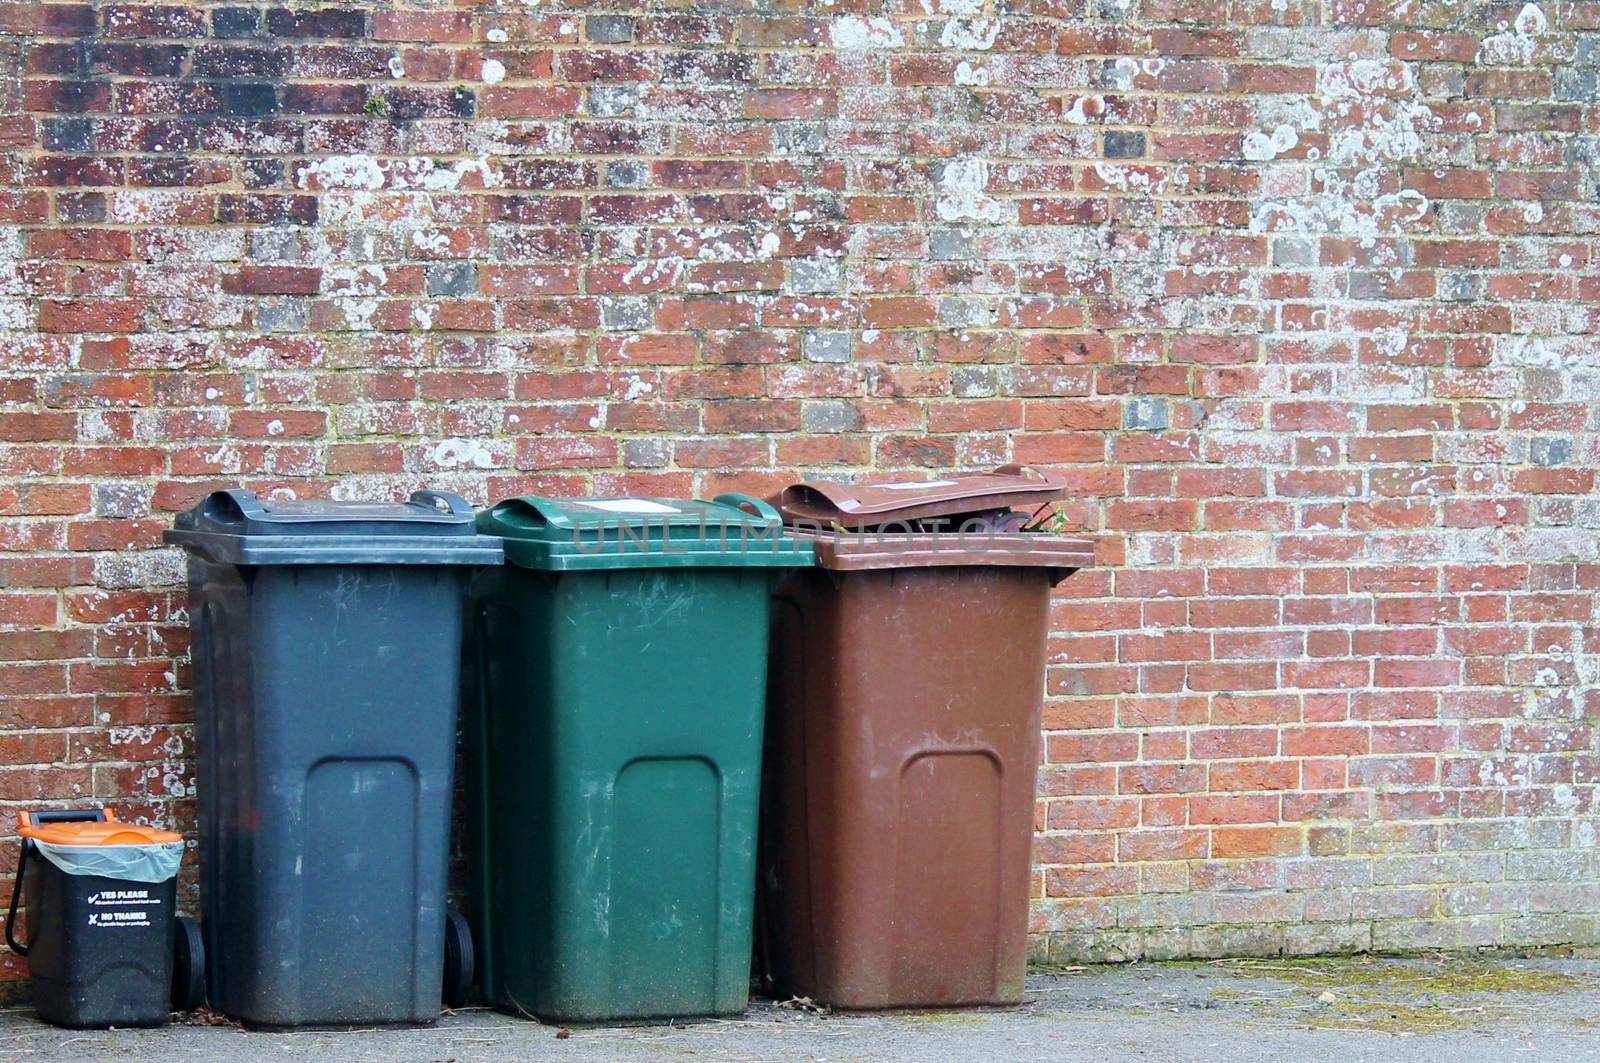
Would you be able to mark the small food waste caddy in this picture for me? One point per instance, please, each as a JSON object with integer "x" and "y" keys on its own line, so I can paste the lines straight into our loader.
{"x": 326, "y": 640}
{"x": 100, "y": 898}
{"x": 907, "y": 677}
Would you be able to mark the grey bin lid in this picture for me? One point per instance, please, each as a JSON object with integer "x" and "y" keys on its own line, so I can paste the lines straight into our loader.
{"x": 431, "y": 528}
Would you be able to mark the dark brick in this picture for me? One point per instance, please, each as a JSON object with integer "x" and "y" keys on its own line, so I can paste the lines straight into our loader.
{"x": 66, "y": 171}
{"x": 1551, "y": 450}
{"x": 1578, "y": 85}
{"x": 168, "y": 135}
{"x": 261, "y": 173}
{"x": 141, "y": 20}
{"x": 235, "y": 22}
{"x": 67, "y": 134}
{"x": 66, "y": 97}
{"x": 701, "y": 66}
{"x": 627, "y": 174}
{"x": 65, "y": 20}
{"x": 452, "y": 279}
{"x": 280, "y": 315}
{"x": 1123, "y": 144}
{"x": 249, "y": 99}
{"x": 225, "y": 135}
{"x": 267, "y": 210}
{"x": 612, "y": 101}
{"x": 323, "y": 22}
{"x": 341, "y": 61}
{"x": 1460, "y": 287}
{"x": 168, "y": 97}
{"x": 230, "y": 61}
{"x": 121, "y": 500}
{"x": 81, "y": 206}
{"x": 143, "y": 60}
{"x": 608, "y": 29}
{"x": 805, "y": 138}
{"x": 611, "y": 138}
{"x": 1147, "y": 414}
{"x": 431, "y": 102}
{"x": 324, "y": 99}
{"x": 58, "y": 59}
{"x": 167, "y": 172}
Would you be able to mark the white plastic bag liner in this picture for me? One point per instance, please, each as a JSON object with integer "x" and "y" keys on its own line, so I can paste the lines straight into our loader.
{"x": 153, "y": 862}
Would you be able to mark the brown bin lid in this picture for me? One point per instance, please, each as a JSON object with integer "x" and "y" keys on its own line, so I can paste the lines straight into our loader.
{"x": 879, "y": 502}
{"x": 869, "y": 551}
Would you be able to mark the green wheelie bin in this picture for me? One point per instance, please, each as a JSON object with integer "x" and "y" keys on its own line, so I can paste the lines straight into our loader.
{"x": 614, "y": 710}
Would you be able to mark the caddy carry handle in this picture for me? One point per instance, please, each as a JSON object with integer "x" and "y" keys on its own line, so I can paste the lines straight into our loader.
{"x": 27, "y": 818}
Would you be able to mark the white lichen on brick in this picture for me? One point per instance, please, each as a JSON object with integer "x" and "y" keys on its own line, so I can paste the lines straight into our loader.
{"x": 1515, "y": 45}
{"x": 963, "y": 195}
{"x": 851, "y": 32}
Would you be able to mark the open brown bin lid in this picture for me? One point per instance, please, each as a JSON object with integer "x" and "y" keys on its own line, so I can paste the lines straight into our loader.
{"x": 843, "y": 521}
{"x": 874, "y": 551}
{"x": 880, "y": 502}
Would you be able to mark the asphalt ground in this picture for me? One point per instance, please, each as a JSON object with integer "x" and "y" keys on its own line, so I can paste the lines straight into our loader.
{"x": 1543, "y": 1007}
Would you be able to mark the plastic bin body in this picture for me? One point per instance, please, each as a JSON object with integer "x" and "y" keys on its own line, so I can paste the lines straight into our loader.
{"x": 615, "y": 759}
{"x": 99, "y": 948}
{"x": 325, "y": 724}
{"x": 906, "y": 686}
{"x": 88, "y": 976}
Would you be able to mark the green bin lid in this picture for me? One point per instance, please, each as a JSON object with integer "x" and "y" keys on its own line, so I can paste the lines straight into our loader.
{"x": 567, "y": 534}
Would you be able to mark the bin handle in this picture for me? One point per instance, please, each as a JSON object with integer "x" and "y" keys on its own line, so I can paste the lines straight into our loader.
{"x": 741, "y": 501}
{"x": 1026, "y": 471}
{"x": 16, "y": 895}
{"x": 31, "y": 817}
{"x": 27, "y": 818}
{"x": 543, "y": 509}
{"x": 231, "y": 505}
{"x": 453, "y": 504}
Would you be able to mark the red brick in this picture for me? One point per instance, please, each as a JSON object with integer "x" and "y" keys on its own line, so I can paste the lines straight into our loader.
{"x": 1337, "y": 571}
{"x": 430, "y": 26}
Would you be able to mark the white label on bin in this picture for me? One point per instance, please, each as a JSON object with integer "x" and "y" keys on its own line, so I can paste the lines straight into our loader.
{"x": 628, "y": 505}
{"x": 138, "y": 917}
{"x": 124, "y": 898}
{"x": 916, "y": 486}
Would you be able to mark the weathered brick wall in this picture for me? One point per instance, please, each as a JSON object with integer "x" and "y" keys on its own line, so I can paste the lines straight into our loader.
{"x": 1299, "y": 295}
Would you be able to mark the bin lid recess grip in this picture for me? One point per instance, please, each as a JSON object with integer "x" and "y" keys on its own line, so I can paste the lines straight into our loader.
{"x": 765, "y": 510}
{"x": 230, "y": 506}
{"x": 880, "y": 502}
{"x": 529, "y": 511}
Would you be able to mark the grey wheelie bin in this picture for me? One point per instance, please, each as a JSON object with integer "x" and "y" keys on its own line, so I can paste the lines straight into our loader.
{"x": 326, "y": 645}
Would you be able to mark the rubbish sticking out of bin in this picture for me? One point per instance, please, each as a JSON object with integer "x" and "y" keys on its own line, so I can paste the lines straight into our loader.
{"x": 100, "y": 897}
{"x": 614, "y": 750}
{"x": 907, "y": 676}
{"x": 326, "y": 646}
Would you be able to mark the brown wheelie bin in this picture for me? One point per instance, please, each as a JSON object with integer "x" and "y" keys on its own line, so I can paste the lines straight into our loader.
{"x": 906, "y": 680}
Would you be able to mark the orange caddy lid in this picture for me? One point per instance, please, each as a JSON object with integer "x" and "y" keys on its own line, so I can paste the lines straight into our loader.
{"x": 109, "y": 832}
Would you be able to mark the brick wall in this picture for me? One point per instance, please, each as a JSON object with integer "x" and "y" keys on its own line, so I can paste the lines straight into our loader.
{"x": 1300, "y": 296}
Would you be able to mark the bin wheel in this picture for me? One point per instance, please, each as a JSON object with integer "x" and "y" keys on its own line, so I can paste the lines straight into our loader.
{"x": 458, "y": 959}
{"x": 188, "y": 964}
